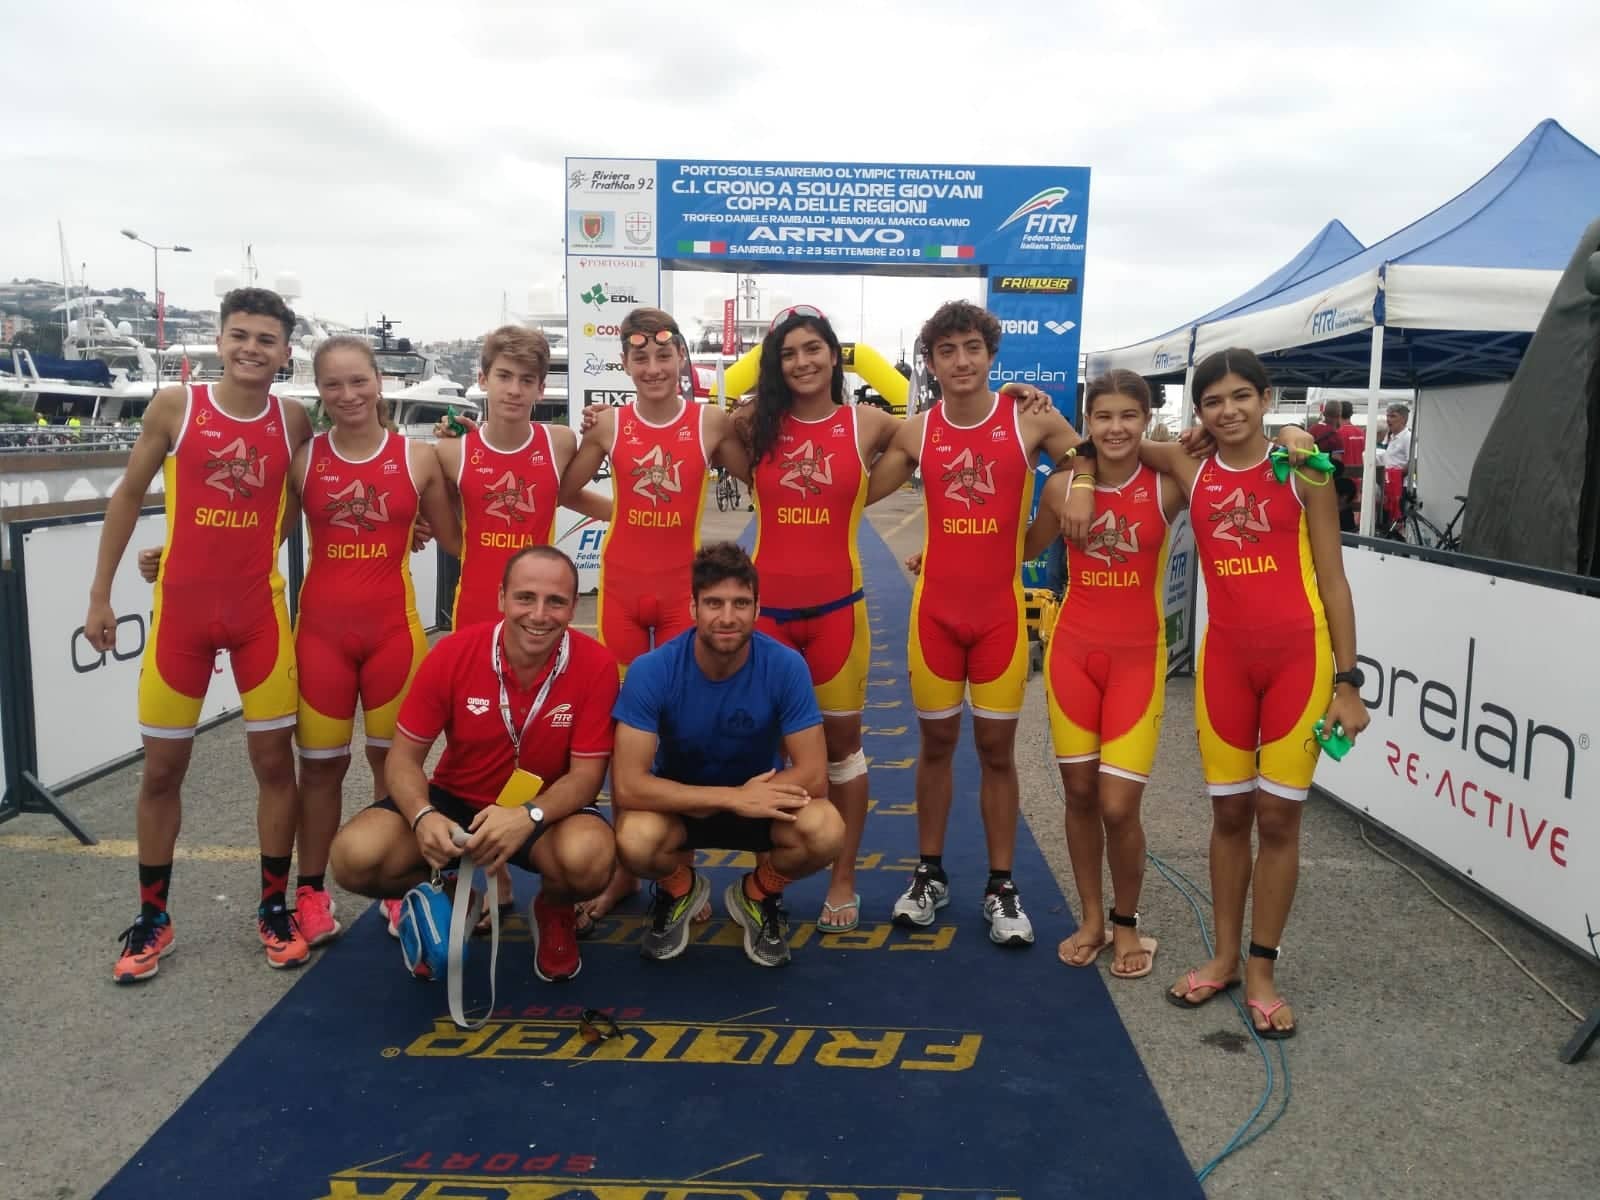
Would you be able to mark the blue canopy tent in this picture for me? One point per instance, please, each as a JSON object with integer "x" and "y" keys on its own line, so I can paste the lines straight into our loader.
{"x": 1457, "y": 293}
{"x": 1165, "y": 358}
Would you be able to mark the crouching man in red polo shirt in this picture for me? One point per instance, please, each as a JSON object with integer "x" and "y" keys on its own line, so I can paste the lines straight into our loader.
{"x": 524, "y": 695}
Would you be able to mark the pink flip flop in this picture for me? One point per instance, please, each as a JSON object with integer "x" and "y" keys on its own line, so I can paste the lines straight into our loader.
{"x": 1194, "y": 982}
{"x": 1271, "y": 1033}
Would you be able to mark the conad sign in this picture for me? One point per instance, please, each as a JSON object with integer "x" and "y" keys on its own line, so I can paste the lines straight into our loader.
{"x": 1481, "y": 748}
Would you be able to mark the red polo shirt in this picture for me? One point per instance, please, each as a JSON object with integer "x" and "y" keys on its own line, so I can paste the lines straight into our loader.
{"x": 455, "y": 693}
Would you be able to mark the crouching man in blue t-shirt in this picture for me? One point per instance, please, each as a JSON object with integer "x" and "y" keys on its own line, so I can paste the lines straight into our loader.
{"x": 704, "y": 726}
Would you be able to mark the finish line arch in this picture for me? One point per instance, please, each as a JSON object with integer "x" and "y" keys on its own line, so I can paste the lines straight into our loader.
{"x": 1021, "y": 229}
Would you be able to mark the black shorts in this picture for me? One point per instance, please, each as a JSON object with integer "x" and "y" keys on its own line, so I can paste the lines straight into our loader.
{"x": 727, "y": 831}
{"x": 463, "y": 813}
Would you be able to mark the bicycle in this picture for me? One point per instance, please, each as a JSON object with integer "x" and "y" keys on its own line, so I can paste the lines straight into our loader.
{"x": 1450, "y": 539}
{"x": 1417, "y": 530}
{"x": 727, "y": 491}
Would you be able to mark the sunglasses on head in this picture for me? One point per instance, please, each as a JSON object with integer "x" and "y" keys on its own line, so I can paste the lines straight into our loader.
{"x": 594, "y": 1026}
{"x": 796, "y": 310}
{"x": 661, "y": 337}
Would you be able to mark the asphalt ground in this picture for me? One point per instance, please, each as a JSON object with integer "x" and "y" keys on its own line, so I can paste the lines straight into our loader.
{"x": 1426, "y": 1064}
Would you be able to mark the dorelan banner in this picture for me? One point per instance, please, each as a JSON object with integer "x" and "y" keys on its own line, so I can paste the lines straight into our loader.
{"x": 1022, "y": 229}
{"x": 1475, "y": 754}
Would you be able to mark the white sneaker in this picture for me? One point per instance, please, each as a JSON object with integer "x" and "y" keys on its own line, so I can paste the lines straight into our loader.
{"x": 1008, "y": 924}
{"x": 927, "y": 894}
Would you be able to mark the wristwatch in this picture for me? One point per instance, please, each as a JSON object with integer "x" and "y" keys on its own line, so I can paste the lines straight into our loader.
{"x": 536, "y": 814}
{"x": 1355, "y": 677}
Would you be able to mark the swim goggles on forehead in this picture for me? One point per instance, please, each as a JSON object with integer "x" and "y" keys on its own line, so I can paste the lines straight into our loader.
{"x": 796, "y": 310}
{"x": 661, "y": 337}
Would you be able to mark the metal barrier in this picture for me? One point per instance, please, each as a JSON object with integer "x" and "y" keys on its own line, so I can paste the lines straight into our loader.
{"x": 1480, "y": 754}
{"x": 54, "y": 685}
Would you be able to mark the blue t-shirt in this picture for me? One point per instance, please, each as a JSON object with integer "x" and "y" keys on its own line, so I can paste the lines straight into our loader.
{"x": 718, "y": 733}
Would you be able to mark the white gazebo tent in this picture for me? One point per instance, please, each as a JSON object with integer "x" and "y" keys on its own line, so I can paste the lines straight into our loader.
{"x": 1451, "y": 300}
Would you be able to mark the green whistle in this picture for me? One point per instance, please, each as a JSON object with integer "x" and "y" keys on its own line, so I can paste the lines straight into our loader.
{"x": 454, "y": 423}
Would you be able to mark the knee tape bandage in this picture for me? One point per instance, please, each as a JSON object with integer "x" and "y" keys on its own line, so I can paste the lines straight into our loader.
{"x": 852, "y": 766}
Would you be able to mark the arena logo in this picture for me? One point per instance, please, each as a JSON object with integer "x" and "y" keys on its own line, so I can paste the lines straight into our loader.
{"x": 1494, "y": 732}
{"x": 842, "y": 235}
{"x": 1017, "y": 327}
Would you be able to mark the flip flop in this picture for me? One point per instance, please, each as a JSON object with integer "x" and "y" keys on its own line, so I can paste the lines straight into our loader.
{"x": 1063, "y": 954}
{"x": 1148, "y": 945}
{"x": 1194, "y": 983}
{"x": 1271, "y": 1033}
{"x": 854, "y": 902}
{"x": 481, "y": 929}
{"x": 583, "y": 924}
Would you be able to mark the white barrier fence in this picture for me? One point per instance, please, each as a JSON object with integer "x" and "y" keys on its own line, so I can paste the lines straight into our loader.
{"x": 77, "y": 689}
{"x": 1485, "y": 707}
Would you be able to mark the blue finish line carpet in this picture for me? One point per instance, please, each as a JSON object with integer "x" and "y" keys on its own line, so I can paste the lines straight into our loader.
{"x": 880, "y": 1065}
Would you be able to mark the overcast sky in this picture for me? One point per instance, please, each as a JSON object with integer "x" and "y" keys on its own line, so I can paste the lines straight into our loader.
{"x": 414, "y": 165}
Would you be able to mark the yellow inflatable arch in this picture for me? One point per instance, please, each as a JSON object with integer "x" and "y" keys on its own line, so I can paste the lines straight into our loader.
{"x": 858, "y": 359}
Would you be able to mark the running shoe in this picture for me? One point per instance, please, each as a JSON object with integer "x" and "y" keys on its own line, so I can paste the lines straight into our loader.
{"x": 555, "y": 940}
{"x": 765, "y": 925}
{"x": 143, "y": 944}
{"x": 1008, "y": 924}
{"x": 669, "y": 919}
{"x": 313, "y": 913}
{"x": 284, "y": 945}
{"x": 391, "y": 916}
{"x": 927, "y": 894}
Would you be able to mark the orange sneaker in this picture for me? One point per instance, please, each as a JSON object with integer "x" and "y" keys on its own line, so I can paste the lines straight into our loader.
{"x": 313, "y": 915}
{"x": 143, "y": 944}
{"x": 285, "y": 947}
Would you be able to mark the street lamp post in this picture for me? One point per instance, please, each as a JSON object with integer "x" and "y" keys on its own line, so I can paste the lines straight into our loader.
{"x": 155, "y": 251}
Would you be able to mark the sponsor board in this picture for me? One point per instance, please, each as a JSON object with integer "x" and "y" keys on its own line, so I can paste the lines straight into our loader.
{"x": 1481, "y": 747}
{"x": 611, "y": 205}
{"x": 537, "y": 1173}
{"x": 580, "y": 538}
{"x": 894, "y": 214}
{"x": 1039, "y": 316}
{"x": 1177, "y": 600}
{"x": 600, "y": 292}
{"x": 76, "y": 687}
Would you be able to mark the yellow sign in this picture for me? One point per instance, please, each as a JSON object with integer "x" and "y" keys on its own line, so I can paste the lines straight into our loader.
{"x": 709, "y": 1043}
{"x": 484, "y": 1179}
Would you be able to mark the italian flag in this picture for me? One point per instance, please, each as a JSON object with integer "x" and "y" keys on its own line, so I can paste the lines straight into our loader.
{"x": 702, "y": 247}
{"x": 948, "y": 252}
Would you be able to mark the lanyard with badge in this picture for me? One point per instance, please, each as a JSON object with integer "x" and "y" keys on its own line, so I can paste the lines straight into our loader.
{"x": 523, "y": 786}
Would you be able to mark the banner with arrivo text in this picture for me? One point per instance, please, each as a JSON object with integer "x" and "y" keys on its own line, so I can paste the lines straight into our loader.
{"x": 1480, "y": 750}
{"x": 1023, "y": 228}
